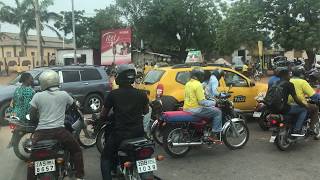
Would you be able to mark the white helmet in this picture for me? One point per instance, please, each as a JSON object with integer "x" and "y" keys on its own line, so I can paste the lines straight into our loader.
{"x": 48, "y": 79}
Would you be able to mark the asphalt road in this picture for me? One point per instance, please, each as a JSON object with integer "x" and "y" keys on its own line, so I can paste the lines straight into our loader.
{"x": 258, "y": 160}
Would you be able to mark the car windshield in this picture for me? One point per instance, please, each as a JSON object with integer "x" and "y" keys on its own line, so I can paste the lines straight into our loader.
{"x": 33, "y": 73}
{"x": 153, "y": 76}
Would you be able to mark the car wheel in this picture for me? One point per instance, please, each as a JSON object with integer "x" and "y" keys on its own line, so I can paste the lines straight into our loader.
{"x": 95, "y": 99}
{"x": 3, "y": 110}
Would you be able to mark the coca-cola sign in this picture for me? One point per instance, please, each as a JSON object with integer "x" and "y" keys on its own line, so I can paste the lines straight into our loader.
{"x": 116, "y": 46}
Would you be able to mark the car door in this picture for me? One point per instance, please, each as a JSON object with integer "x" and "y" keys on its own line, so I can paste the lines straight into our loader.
{"x": 242, "y": 94}
{"x": 70, "y": 82}
{"x": 92, "y": 81}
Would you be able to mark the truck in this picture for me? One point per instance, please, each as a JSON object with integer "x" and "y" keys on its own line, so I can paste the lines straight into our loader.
{"x": 83, "y": 56}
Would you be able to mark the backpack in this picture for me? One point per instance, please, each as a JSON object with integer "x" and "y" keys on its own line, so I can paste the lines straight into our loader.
{"x": 274, "y": 98}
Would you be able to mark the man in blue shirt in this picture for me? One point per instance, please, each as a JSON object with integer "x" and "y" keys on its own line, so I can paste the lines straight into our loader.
{"x": 273, "y": 79}
{"x": 211, "y": 82}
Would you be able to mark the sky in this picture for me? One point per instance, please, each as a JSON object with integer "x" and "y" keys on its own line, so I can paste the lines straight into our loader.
{"x": 60, "y": 5}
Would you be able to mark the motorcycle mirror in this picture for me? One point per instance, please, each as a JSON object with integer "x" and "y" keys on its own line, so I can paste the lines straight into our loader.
{"x": 28, "y": 117}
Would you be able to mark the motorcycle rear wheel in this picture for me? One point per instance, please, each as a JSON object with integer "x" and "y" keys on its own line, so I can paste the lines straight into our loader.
{"x": 86, "y": 138}
{"x": 243, "y": 131}
{"x": 317, "y": 131}
{"x": 101, "y": 140}
{"x": 19, "y": 146}
{"x": 282, "y": 143}
{"x": 171, "y": 135}
{"x": 48, "y": 176}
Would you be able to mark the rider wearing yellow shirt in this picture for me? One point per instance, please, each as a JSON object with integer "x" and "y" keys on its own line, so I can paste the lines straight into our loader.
{"x": 303, "y": 90}
{"x": 195, "y": 102}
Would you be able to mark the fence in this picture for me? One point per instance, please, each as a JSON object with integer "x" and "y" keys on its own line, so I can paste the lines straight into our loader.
{"x": 20, "y": 64}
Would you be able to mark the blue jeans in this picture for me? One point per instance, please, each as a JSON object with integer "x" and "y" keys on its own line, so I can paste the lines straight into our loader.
{"x": 300, "y": 113}
{"x": 209, "y": 112}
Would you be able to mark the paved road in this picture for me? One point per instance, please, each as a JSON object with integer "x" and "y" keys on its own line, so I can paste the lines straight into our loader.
{"x": 259, "y": 160}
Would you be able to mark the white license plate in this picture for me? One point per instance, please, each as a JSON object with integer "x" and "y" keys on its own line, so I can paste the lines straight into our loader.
{"x": 257, "y": 114}
{"x": 272, "y": 139}
{"x": 146, "y": 165}
{"x": 44, "y": 166}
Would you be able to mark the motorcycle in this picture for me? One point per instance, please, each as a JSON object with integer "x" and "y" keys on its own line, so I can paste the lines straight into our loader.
{"x": 261, "y": 112}
{"x": 281, "y": 127}
{"x": 183, "y": 130}
{"x": 134, "y": 156}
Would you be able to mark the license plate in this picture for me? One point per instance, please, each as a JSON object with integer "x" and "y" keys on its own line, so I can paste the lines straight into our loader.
{"x": 257, "y": 114}
{"x": 44, "y": 166}
{"x": 272, "y": 139}
{"x": 146, "y": 165}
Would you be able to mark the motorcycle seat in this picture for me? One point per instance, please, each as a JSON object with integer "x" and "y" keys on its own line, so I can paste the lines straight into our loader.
{"x": 132, "y": 143}
{"x": 179, "y": 116}
{"x": 45, "y": 144}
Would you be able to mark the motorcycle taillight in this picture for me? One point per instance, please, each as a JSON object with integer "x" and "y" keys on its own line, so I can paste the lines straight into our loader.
{"x": 40, "y": 154}
{"x": 145, "y": 153}
{"x": 12, "y": 126}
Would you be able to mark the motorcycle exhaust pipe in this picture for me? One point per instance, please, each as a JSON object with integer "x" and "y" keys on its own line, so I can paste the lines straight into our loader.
{"x": 187, "y": 144}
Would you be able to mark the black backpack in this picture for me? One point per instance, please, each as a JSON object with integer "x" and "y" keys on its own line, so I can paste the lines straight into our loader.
{"x": 274, "y": 98}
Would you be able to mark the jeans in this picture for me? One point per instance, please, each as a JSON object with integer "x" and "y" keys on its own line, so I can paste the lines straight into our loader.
{"x": 209, "y": 112}
{"x": 300, "y": 113}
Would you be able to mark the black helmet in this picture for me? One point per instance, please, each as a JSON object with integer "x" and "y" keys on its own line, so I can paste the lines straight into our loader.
{"x": 218, "y": 73}
{"x": 126, "y": 74}
{"x": 197, "y": 73}
{"x": 298, "y": 71}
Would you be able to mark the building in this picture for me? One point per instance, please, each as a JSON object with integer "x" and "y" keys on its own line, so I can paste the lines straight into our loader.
{"x": 10, "y": 50}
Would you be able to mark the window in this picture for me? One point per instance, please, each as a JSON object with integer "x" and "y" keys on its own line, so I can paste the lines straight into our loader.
{"x": 20, "y": 54}
{"x": 32, "y": 53}
{"x": 153, "y": 76}
{"x": 183, "y": 77}
{"x": 70, "y": 76}
{"x": 90, "y": 74}
{"x": 8, "y": 54}
{"x": 235, "y": 79}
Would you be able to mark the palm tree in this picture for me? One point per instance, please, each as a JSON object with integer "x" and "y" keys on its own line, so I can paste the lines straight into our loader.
{"x": 23, "y": 16}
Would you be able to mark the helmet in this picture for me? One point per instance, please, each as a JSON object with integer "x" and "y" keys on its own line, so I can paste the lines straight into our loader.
{"x": 197, "y": 73}
{"x": 48, "y": 79}
{"x": 126, "y": 74}
{"x": 298, "y": 71}
{"x": 218, "y": 73}
{"x": 315, "y": 76}
{"x": 282, "y": 71}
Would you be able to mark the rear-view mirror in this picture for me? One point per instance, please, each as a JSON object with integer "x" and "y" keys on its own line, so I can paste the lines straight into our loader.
{"x": 36, "y": 83}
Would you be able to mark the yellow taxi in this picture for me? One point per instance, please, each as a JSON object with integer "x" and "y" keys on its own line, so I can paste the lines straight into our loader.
{"x": 170, "y": 81}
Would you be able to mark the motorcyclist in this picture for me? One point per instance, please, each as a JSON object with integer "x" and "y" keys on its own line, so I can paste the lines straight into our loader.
{"x": 195, "y": 102}
{"x": 48, "y": 110}
{"x": 274, "y": 78}
{"x": 129, "y": 105}
{"x": 299, "y": 109}
{"x": 303, "y": 90}
{"x": 211, "y": 82}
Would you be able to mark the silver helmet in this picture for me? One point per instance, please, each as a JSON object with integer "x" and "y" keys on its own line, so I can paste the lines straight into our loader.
{"x": 49, "y": 78}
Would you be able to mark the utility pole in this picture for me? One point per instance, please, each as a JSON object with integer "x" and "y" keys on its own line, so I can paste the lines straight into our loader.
{"x": 63, "y": 33}
{"x": 74, "y": 34}
{"x": 37, "y": 17}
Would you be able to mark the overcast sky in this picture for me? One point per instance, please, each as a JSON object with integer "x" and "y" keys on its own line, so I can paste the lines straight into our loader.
{"x": 61, "y": 5}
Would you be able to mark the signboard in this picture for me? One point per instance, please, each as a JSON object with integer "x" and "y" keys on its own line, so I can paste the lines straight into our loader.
{"x": 116, "y": 46}
{"x": 194, "y": 56}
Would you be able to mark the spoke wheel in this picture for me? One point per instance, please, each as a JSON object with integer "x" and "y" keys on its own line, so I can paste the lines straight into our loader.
{"x": 87, "y": 137}
{"x": 230, "y": 137}
{"x": 175, "y": 135}
{"x": 19, "y": 147}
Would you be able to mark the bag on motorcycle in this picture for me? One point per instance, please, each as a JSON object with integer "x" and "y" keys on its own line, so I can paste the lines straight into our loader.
{"x": 275, "y": 97}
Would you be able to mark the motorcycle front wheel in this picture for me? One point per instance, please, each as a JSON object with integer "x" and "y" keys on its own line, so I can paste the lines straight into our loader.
{"x": 175, "y": 135}
{"x": 86, "y": 137}
{"x": 317, "y": 131}
{"x": 19, "y": 146}
{"x": 236, "y": 135}
{"x": 101, "y": 140}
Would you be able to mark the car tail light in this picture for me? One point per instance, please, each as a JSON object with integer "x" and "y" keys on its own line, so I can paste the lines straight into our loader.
{"x": 145, "y": 152}
{"x": 12, "y": 126}
{"x": 159, "y": 90}
{"x": 41, "y": 154}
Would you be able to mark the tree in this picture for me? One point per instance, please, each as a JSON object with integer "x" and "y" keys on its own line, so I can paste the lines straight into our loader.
{"x": 22, "y": 15}
{"x": 242, "y": 26}
{"x": 296, "y": 25}
{"x": 173, "y": 25}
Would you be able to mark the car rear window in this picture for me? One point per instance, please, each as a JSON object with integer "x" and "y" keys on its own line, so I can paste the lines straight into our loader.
{"x": 90, "y": 74}
{"x": 153, "y": 76}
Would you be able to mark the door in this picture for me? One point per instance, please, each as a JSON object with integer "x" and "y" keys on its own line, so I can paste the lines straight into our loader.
{"x": 70, "y": 82}
{"x": 242, "y": 94}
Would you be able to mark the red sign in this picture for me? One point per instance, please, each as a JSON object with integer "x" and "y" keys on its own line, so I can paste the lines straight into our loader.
{"x": 116, "y": 46}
